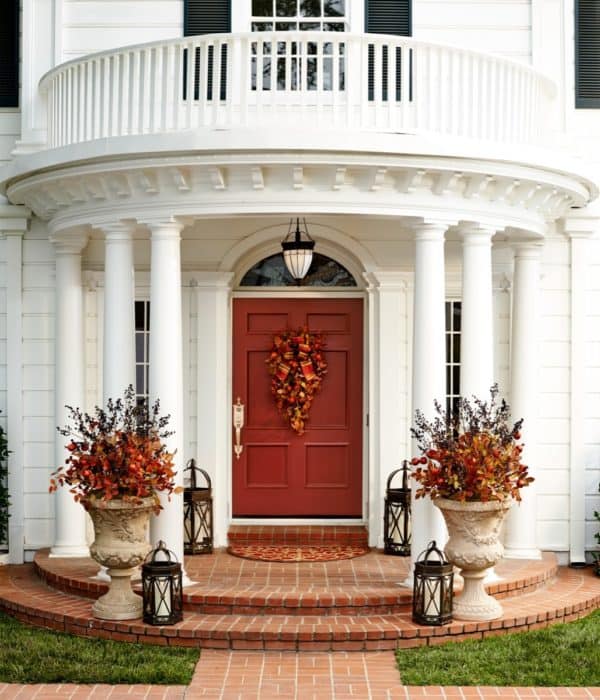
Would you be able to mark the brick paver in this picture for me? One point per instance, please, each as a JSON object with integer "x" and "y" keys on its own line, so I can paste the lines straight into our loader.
{"x": 235, "y": 675}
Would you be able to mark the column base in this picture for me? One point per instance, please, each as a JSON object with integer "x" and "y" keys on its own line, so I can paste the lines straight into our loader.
{"x": 69, "y": 550}
{"x": 521, "y": 553}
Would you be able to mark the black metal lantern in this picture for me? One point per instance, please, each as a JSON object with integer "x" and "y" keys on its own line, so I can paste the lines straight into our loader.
{"x": 197, "y": 514}
{"x": 396, "y": 515}
{"x": 298, "y": 249}
{"x": 162, "y": 587}
{"x": 433, "y": 588}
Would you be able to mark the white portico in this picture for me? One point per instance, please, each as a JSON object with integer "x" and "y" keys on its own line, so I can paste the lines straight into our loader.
{"x": 442, "y": 215}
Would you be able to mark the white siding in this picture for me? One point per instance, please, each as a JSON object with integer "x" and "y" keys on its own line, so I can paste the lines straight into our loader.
{"x": 496, "y": 26}
{"x": 592, "y": 398}
{"x": 554, "y": 414}
{"x": 38, "y": 385}
{"x": 96, "y": 25}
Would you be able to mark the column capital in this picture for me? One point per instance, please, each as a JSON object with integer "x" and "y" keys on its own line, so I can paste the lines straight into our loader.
{"x": 209, "y": 281}
{"x": 167, "y": 227}
{"x": 582, "y": 226}
{"x": 117, "y": 230}
{"x": 386, "y": 280}
{"x": 476, "y": 233}
{"x": 432, "y": 229}
{"x": 527, "y": 250}
{"x": 14, "y": 219}
{"x": 69, "y": 244}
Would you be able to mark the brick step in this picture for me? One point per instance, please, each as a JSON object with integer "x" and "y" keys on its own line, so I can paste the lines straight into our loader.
{"x": 573, "y": 594}
{"x": 355, "y": 535}
{"x": 226, "y": 585}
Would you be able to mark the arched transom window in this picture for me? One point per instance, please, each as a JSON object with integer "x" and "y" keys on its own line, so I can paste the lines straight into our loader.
{"x": 323, "y": 272}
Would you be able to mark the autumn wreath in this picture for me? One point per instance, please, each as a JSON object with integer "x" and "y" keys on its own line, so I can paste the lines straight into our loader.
{"x": 297, "y": 364}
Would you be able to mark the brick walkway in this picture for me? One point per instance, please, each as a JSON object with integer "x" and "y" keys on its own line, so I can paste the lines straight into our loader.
{"x": 236, "y": 675}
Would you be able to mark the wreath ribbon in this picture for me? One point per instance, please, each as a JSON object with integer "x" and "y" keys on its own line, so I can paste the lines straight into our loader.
{"x": 297, "y": 366}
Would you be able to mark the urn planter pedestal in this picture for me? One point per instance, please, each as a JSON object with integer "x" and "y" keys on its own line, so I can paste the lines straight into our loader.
{"x": 474, "y": 546}
{"x": 121, "y": 544}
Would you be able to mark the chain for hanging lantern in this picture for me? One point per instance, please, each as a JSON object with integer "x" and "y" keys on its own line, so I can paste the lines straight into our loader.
{"x": 397, "y": 515}
{"x": 197, "y": 513}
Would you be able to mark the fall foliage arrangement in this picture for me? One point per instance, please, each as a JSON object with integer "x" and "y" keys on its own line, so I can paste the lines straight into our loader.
{"x": 297, "y": 365}
{"x": 117, "y": 452}
{"x": 471, "y": 454}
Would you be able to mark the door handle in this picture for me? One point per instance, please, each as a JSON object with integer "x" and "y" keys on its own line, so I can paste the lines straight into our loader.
{"x": 238, "y": 424}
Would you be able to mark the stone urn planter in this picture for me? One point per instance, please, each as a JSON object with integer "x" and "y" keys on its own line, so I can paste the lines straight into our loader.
{"x": 474, "y": 546}
{"x": 121, "y": 544}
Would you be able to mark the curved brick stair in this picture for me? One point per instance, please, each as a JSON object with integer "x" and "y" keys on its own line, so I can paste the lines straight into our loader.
{"x": 348, "y": 605}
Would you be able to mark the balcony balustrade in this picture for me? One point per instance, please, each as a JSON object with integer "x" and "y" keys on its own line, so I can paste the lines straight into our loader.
{"x": 335, "y": 81}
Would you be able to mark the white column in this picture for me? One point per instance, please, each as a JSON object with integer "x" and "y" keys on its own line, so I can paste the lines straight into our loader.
{"x": 166, "y": 367}
{"x": 580, "y": 230}
{"x": 69, "y": 384}
{"x": 13, "y": 224}
{"x": 429, "y": 361}
{"x": 521, "y": 525}
{"x": 119, "y": 312}
{"x": 213, "y": 451}
{"x": 477, "y": 339}
{"x": 388, "y": 388}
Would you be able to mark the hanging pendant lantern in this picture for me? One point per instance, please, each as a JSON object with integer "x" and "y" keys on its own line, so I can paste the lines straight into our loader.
{"x": 298, "y": 249}
{"x": 397, "y": 515}
{"x": 197, "y": 513}
{"x": 433, "y": 588}
{"x": 162, "y": 587}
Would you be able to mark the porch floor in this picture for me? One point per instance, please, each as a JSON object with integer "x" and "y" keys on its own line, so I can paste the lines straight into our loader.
{"x": 348, "y": 605}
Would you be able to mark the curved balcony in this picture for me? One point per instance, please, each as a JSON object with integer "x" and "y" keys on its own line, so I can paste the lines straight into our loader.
{"x": 368, "y": 83}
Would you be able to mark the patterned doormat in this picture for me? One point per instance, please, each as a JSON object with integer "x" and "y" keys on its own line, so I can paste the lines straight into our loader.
{"x": 295, "y": 552}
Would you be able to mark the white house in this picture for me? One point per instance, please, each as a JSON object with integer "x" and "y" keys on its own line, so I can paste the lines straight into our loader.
{"x": 446, "y": 157}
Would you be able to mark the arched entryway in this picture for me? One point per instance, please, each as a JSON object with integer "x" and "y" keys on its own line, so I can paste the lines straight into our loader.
{"x": 280, "y": 473}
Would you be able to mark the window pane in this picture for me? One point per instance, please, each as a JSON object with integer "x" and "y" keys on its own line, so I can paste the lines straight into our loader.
{"x": 310, "y": 26}
{"x": 333, "y": 8}
{"x": 333, "y": 26}
{"x": 456, "y": 348}
{"x": 262, "y": 26}
{"x": 448, "y": 315}
{"x": 262, "y": 8}
{"x": 456, "y": 313}
{"x": 139, "y": 315}
{"x": 286, "y": 26}
{"x": 310, "y": 8}
{"x": 285, "y": 8}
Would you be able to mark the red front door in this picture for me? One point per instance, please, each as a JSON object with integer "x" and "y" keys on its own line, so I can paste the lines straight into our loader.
{"x": 280, "y": 473}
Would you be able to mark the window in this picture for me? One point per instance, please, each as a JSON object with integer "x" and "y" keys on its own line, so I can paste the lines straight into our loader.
{"x": 142, "y": 347}
{"x": 9, "y": 53}
{"x": 303, "y": 15}
{"x": 323, "y": 272}
{"x": 453, "y": 316}
{"x": 587, "y": 54}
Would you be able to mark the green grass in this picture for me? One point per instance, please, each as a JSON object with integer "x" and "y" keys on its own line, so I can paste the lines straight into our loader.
{"x": 561, "y": 655}
{"x": 30, "y": 655}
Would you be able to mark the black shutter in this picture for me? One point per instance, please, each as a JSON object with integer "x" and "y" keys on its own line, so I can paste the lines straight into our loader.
{"x": 206, "y": 17}
{"x": 9, "y": 53}
{"x": 388, "y": 17}
{"x": 587, "y": 53}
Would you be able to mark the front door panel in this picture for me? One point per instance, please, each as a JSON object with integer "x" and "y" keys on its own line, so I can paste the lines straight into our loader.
{"x": 280, "y": 473}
